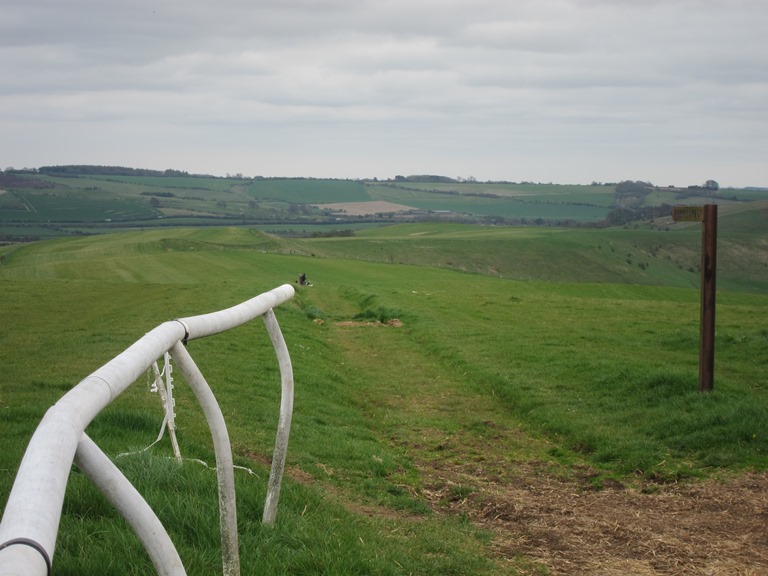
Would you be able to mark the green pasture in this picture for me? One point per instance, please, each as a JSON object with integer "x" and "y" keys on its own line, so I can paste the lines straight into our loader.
{"x": 308, "y": 191}
{"x": 745, "y": 194}
{"x": 556, "y": 356}
{"x": 32, "y": 231}
{"x": 532, "y": 206}
{"x": 76, "y": 208}
{"x": 547, "y": 193}
{"x": 662, "y": 253}
{"x": 174, "y": 182}
{"x": 131, "y": 185}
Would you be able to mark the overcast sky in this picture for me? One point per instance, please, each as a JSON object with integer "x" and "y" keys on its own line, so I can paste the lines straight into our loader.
{"x": 565, "y": 91}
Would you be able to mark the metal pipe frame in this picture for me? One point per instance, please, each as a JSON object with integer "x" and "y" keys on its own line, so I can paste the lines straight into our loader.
{"x": 122, "y": 495}
{"x": 284, "y": 423}
{"x": 225, "y": 472}
{"x": 32, "y": 514}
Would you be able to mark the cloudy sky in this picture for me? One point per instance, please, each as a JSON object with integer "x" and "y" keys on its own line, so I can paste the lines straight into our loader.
{"x": 566, "y": 91}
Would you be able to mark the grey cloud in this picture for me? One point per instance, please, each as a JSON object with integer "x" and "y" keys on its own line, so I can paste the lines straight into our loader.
{"x": 481, "y": 80}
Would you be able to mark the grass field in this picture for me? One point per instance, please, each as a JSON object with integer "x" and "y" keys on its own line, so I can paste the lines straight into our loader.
{"x": 530, "y": 372}
{"x": 576, "y": 203}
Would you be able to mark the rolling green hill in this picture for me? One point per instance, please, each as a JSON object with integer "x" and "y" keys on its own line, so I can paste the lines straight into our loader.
{"x": 517, "y": 354}
{"x": 662, "y": 253}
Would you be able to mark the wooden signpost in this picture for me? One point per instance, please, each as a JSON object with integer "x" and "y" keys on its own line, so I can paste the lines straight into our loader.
{"x": 707, "y": 215}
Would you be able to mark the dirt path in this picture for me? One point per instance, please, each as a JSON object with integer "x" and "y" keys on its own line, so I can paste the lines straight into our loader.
{"x": 702, "y": 528}
{"x": 551, "y": 518}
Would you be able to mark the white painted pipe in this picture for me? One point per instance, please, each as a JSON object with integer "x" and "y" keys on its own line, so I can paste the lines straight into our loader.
{"x": 20, "y": 557}
{"x": 34, "y": 505}
{"x": 216, "y": 322}
{"x": 284, "y": 422}
{"x": 126, "y": 499}
{"x": 33, "y": 511}
{"x": 225, "y": 471}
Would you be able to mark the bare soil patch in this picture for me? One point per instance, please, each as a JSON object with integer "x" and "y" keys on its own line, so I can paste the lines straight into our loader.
{"x": 560, "y": 523}
{"x": 394, "y": 323}
{"x": 365, "y": 208}
{"x": 566, "y": 526}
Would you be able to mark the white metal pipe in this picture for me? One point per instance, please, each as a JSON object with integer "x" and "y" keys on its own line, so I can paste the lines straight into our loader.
{"x": 126, "y": 499}
{"x": 284, "y": 422}
{"x": 225, "y": 472}
{"x": 215, "y": 322}
{"x": 34, "y": 505}
{"x": 20, "y": 558}
{"x": 33, "y": 509}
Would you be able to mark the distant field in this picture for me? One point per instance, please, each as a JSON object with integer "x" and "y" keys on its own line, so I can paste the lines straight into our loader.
{"x": 80, "y": 207}
{"x": 364, "y": 208}
{"x": 577, "y": 203}
{"x": 309, "y": 191}
{"x": 37, "y": 205}
{"x": 571, "y": 193}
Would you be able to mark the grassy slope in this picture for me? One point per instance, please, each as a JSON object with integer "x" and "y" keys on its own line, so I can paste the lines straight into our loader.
{"x": 578, "y": 203}
{"x": 662, "y": 253}
{"x": 599, "y": 372}
{"x": 74, "y": 316}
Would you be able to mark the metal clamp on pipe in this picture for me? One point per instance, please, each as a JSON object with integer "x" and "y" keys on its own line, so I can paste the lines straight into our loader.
{"x": 186, "y": 330}
{"x": 32, "y": 544}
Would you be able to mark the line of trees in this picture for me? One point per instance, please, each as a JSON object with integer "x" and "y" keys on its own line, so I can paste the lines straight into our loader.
{"x": 88, "y": 170}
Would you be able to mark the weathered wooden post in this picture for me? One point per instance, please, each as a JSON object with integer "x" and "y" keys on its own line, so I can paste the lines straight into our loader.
{"x": 708, "y": 274}
{"x": 707, "y": 215}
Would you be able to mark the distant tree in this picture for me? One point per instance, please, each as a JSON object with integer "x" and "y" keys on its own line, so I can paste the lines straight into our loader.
{"x": 428, "y": 178}
{"x": 711, "y": 185}
{"x": 629, "y": 194}
{"x": 623, "y": 215}
{"x": 84, "y": 169}
{"x": 172, "y": 172}
{"x": 630, "y": 188}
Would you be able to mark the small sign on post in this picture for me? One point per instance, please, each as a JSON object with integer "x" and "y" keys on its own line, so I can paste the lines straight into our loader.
{"x": 706, "y": 214}
{"x": 688, "y": 213}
